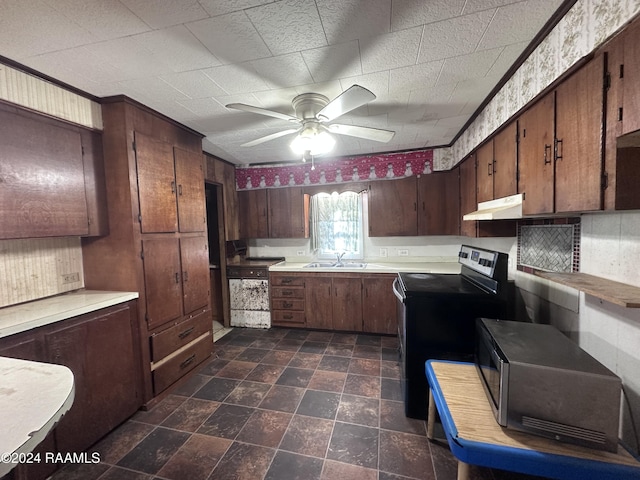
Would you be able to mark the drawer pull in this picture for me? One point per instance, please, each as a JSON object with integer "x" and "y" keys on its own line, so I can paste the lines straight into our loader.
{"x": 287, "y": 292}
{"x": 286, "y": 281}
{"x": 188, "y": 361}
{"x": 186, "y": 333}
{"x": 287, "y": 304}
{"x": 288, "y": 317}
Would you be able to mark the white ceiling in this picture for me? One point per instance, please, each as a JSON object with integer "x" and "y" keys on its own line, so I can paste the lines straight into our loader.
{"x": 430, "y": 63}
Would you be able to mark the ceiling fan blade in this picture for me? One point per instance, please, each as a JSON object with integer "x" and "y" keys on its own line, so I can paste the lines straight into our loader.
{"x": 368, "y": 133}
{"x": 352, "y": 98}
{"x": 262, "y": 111}
{"x": 273, "y": 136}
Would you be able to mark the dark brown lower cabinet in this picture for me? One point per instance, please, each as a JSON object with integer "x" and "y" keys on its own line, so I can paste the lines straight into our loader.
{"x": 379, "y": 309}
{"x": 318, "y": 311}
{"x": 102, "y": 351}
{"x": 347, "y": 303}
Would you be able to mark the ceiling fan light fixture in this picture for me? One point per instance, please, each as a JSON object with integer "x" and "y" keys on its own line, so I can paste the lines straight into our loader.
{"x": 317, "y": 143}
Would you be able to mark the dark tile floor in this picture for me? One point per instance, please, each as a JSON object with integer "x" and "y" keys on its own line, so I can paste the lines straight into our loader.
{"x": 281, "y": 404}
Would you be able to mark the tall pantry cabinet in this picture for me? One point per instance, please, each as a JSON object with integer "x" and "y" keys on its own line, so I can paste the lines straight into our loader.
{"x": 158, "y": 243}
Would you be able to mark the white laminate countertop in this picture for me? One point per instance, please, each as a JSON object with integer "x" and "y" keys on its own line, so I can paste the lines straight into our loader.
{"x": 19, "y": 318}
{"x": 33, "y": 397}
{"x": 374, "y": 267}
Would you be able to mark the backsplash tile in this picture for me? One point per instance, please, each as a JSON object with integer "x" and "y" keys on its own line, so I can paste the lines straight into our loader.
{"x": 550, "y": 245}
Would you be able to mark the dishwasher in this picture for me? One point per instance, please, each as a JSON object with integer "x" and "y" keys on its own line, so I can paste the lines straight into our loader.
{"x": 249, "y": 292}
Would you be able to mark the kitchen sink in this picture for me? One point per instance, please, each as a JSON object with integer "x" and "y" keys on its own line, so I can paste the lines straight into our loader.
{"x": 335, "y": 265}
{"x": 320, "y": 265}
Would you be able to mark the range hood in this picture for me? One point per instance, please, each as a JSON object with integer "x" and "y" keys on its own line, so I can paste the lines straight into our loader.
{"x": 499, "y": 209}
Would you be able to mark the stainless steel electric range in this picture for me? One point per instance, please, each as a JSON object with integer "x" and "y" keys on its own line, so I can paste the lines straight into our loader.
{"x": 437, "y": 315}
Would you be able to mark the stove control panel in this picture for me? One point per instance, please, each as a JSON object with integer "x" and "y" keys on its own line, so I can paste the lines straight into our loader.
{"x": 480, "y": 260}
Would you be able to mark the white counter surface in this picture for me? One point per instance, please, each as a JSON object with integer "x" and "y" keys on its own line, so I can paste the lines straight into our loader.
{"x": 374, "y": 267}
{"x": 19, "y": 318}
{"x": 33, "y": 397}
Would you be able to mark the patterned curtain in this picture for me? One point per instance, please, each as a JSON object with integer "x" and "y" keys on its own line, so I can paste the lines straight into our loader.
{"x": 336, "y": 223}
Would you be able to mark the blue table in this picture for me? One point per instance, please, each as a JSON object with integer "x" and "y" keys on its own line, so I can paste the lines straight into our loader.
{"x": 475, "y": 438}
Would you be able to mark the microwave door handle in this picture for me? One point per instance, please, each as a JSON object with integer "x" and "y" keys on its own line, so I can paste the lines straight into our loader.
{"x": 397, "y": 292}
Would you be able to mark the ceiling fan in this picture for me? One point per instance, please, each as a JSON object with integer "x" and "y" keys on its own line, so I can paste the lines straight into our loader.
{"x": 313, "y": 114}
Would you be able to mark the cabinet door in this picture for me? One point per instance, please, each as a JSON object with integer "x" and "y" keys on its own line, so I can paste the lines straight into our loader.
{"x": 439, "y": 203}
{"x": 106, "y": 375}
{"x": 195, "y": 273}
{"x": 379, "y": 306}
{"x": 505, "y": 158}
{"x": 288, "y": 211}
{"x": 230, "y": 200}
{"x": 393, "y": 206}
{"x": 631, "y": 96}
{"x": 42, "y": 178}
{"x": 484, "y": 172}
{"x": 162, "y": 279}
{"x": 536, "y": 157}
{"x": 347, "y": 304}
{"x": 317, "y": 302}
{"x": 579, "y": 106}
{"x": 252, "y": 212}
{"x": 468, "y": 202}
{"x": 190, "y": 188}
{"x": 156, "y": 185}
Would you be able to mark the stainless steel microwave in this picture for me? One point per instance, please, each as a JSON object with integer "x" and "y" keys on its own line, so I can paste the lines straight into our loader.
{"x": 539, "y": 381}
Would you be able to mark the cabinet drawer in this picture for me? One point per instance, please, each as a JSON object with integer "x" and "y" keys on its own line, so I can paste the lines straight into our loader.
{"x": 185, "y": 361}
{"x": 174, "y": 338}
{"x": 287, "y": 292}
{"x": 288, "y": 304}
{"x": 287, "y": 281}
{"x": 284, "y": 317}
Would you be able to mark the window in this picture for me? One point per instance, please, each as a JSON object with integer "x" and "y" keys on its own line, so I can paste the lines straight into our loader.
{"x": 336, "y": 224}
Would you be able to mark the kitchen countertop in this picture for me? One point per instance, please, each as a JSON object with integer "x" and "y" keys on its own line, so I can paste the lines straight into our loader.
{"x": 19, "y": 318}
{"x": 33, "y": 398}
{"x": 421, "y": 266}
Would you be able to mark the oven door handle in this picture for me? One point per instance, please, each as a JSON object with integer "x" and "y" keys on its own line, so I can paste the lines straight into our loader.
{"x": 397, "y": 292}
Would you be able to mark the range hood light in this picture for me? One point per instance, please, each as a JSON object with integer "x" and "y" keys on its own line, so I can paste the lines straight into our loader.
{"x": 506, "y": 208}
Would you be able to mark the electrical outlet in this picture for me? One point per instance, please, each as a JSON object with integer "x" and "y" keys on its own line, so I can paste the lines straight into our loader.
{"x": 383, "y": 252}
{"x": 70, "y": 278}
{"x": 403, "y": 252}
{"x": 300, "y": 253}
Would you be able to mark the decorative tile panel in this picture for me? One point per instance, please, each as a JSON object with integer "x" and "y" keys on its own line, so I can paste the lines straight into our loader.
{"x": 552, "y": 245}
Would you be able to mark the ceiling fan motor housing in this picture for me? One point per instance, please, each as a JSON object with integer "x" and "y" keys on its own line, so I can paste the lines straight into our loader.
{"x": 307, "y": 105}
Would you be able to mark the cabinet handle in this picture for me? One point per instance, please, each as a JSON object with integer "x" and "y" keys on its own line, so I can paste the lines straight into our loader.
{"x": 188, "y": 361}
{"x": 288, "y": 317}
{"x": 558, "y": 148}
{"x": 177, "y": 277}
{"x": 173, "y": 187}
{"x": 287, "y": 304}
{"x": 493, "y": 166}
{"x": 186, "y": 333}
{"x": 415, "y": 206}
{"x": 287, "y": 292}
{"x": 185, "y": 276}
{"x": 546, "y": 157}
{"x": 489, "y": 168}
{"x": 179, "y": 189}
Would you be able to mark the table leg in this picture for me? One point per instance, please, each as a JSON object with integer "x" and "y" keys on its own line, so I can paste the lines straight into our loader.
{"x": 463, "y": 471}
{"x": 431, "y": 416}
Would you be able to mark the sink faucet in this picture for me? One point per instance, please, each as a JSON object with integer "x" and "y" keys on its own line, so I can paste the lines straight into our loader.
{"x": 339, "y": 256}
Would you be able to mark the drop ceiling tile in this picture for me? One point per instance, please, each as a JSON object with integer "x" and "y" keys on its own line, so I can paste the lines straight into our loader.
{"x": 288, "y": 25}
{"x": 507, "y": 58}
{"x": 377, "y": 82}
{"x": 165, "y": 13}
{"x": 517, "y": 22}
{"x": 283, "y": 71}
{"x": 234, "y": 79}
{"x": 469, "y": 66}
{"x": 333, "y": 61}
{"x": 409, "y": 13}
{"x": 193, "y": 84}
{"x": 345, "y": 20}
{"x": 453, "y": 37}
{"x": 30, "y": 27}
{"x": 203, "y": 107}
{"x": 155, "y": 88}
{"x": 177, "y": 48}
{"x": 105, "y": 19}
{"x": 440, "y": 93}
{"x": 232, "y": 38}
{"x": 391, "y": 50}
{"x": 479, "y": 5}
{"x": 216, "y": 7}
{"x": 415, "y": 77}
